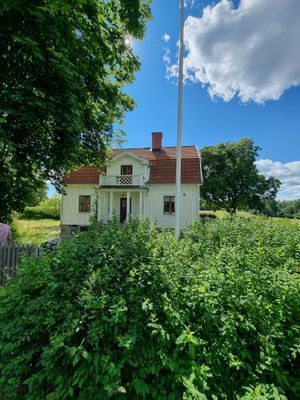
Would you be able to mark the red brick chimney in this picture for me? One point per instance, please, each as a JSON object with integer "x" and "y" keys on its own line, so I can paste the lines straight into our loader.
{"x": 157, "y": 141}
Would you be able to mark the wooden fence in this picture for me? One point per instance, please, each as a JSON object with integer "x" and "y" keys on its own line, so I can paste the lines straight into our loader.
{"x": 10, "y": 258}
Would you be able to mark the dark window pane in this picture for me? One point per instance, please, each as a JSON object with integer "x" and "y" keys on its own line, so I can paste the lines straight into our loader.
{"x": 166, "y": 205}
{"x": 85, "y": 204}
{"x": 169, "y": 204}
{"x": 126, "y": 169}
{"x": 172, "y": 205}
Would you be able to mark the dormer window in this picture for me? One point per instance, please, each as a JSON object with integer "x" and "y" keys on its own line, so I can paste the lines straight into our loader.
{"x": 126, "y": 169}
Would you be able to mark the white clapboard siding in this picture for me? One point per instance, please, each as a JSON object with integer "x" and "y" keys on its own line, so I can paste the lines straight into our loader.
{"x": 154, "y": 201}
{"x": 70, "y": 214}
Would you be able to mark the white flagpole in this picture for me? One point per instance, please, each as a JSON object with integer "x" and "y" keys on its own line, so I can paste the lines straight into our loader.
{"x": 179, "y": 127}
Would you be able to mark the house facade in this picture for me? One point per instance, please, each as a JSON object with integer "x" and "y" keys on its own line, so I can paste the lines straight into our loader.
{"x": 137, "y": 182}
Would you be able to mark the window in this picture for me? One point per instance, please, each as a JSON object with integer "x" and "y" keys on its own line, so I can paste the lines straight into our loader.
{"x": 126, "y": 175}
{"x": 126, "y": 169}
{"x": 169, "y": 204}
{"x": 85, "y": 204}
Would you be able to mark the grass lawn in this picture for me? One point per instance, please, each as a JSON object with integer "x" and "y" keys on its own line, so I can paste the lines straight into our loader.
{"x": 35, "y": 231}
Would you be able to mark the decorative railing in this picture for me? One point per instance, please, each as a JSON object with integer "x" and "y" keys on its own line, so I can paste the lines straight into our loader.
{"x": 122, "y": 180}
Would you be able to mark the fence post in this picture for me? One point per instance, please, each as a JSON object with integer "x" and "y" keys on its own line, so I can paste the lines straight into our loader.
{"x": 10, "y": 258}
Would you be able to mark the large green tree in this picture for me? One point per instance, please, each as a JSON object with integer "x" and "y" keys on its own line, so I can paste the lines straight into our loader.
{"x": 63, "y": 64}
{"x": 231, "y": 179}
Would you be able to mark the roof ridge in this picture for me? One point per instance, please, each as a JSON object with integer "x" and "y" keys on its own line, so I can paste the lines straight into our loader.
{"x": 148, "y": 148}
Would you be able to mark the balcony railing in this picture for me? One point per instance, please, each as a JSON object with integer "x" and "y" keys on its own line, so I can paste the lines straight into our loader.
{"x": 122, "y": 180}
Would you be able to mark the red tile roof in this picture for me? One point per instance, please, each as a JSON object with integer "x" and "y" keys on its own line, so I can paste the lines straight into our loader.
{"x": 165, "y": 153}
{"x": 163, "y": 163}
{"x": 85, "y": 175}
{"x": 163, "y": 166}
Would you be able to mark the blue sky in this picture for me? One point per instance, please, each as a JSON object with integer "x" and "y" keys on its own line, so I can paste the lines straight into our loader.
{"x": 274, "y": 125}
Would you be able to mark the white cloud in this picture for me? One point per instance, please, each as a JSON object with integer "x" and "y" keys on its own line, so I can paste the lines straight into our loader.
{"x": 287, "y": 173}
{"x": 166, "y": 37}
{"x": 166, "y": 57}
{"x": 189, "y": 3}
{"x": 252, "y": 51}
{"x": 171, "y": 70}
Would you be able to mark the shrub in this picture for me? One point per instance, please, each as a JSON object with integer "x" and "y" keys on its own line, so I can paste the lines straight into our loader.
{"x": 207, "y": 215}
{"x": 47, "y": 208}
{"x": 131, "y": 313}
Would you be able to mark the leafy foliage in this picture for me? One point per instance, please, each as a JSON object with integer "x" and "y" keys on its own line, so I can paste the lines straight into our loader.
{"x": 47, "y": 208}
{"x": 16, "y": 191}
{"x": 39, "y": 195}
{"x": 63, "y": 65}
{"x": 231, "y": 179}
{"x": 285, "y": 208}
{"x": 133, "y": 313}
{"x": 263, "y": 392}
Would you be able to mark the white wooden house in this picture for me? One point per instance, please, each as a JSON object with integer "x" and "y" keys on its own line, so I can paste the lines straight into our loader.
{"x": 137, "y": 182}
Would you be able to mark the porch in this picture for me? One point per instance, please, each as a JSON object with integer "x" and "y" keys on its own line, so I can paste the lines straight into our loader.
{"x": 121, "y": 203}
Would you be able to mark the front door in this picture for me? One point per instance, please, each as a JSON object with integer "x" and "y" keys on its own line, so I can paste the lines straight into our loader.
{"x": 123, "y": 209}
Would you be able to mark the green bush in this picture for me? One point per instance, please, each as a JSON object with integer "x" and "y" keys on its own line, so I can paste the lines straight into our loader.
{"x": 47, "y": 208}
{"x": 207, "y": 215}
{"x": 132, "y": 314}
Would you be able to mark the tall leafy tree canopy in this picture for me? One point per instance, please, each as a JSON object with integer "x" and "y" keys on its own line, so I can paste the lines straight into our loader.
{"x": 63, "y": 64}
{"x": 231, "y": 179}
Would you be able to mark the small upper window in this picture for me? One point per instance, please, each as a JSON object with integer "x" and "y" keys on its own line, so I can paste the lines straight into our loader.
{"x": 169, "y": 204}
{"x": 126, "y": 169}
{"x": 85, "y": 204}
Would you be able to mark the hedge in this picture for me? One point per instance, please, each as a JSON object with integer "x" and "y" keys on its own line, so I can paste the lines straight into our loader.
{"x": 130, "y": 313}
{"x": 48, "y": 208}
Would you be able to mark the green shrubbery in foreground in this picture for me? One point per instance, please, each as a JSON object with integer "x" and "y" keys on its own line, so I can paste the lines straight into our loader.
{"x": 133, "y": 314}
